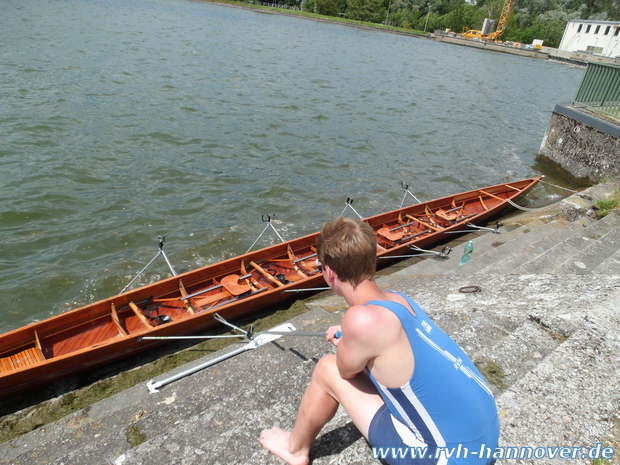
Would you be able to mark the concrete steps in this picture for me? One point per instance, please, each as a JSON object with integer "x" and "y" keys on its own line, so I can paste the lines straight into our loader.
{"x": 571, "y": 396}
{"x": 598, "y": 251}
{"x": 518, "y": 353}
{"x": 558, "y": 246}
{"x": 585, "y": 246}
{"x": 491, "y": 250}
{"x": 594, "y": 253}
{"x": 527, "y": 245}
{"x": 483, "y": 241}
{"x": 609, "y": 266}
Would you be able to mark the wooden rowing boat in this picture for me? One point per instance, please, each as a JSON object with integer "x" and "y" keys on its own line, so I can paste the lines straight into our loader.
{"x": 112, "y": 328}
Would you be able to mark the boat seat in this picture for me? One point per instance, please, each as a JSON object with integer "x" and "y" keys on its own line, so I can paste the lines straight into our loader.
{"x": 390, "y": 235}
{"x": 449, "y": 216}
{"x": 209, "y": 299}
{"x": 493, "y": 196}
{"x": 231, "y": 284}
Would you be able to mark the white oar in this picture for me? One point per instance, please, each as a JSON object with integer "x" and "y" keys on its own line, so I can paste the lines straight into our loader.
{"x": 337, "y": 335}
{"x": 168, "y": 338}
{"x": 248, "y": 335}
{"x": 260, "y": 340}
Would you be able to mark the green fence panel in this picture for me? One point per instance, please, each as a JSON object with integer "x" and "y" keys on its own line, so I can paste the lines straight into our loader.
{"x": 600, "y": 89}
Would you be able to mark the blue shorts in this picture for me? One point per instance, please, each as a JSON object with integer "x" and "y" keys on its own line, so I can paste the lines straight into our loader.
{"x": 393, "y": 442}
{"x": 383, "y": 433}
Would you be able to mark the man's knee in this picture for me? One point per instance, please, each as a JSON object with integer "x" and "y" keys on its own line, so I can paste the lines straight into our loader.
{"x": 326, "y": 368}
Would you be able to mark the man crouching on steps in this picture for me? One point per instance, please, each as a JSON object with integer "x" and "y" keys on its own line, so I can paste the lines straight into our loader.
{"x": 403, "y": 382}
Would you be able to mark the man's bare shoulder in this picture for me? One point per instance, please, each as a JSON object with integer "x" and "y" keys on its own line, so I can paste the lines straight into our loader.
{"x": 358, "y": 317}
{"x": 365, "y": 320}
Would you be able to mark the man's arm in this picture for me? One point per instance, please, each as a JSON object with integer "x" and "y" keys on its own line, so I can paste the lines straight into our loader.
{"x": 357, "y": 346}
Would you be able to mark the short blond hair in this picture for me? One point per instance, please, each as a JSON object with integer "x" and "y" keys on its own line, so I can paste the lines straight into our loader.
{"x": 349, "y": 247}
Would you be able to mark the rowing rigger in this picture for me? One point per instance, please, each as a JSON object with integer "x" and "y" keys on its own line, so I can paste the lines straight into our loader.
{"x": 256, "y": 340}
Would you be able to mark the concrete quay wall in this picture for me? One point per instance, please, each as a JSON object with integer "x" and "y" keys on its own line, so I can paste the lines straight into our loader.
{"x": 491, "y": 46}
{"x": 583, "y": 147}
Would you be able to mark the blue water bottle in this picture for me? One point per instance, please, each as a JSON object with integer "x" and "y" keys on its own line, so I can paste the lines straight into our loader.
{"x": 469, "y": 249}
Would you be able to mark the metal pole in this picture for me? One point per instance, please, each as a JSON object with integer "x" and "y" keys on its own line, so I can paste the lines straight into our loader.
{"x": 277, "y": 233}
{"x": 337, "y": 334}
{"x": 162, "y": 241}
{"x": 262, "y": 339}
{"x": 217, "y": 317}
{"x": 168, "y": 262}
{"x": 141, "y": 271}
{"x": 309, "y": 289}
{"x": 407, "y": 191}
{"x": 259, "y": 236}
{"x": 237, "y": 336}
{"x": 349, "y": 204}
{"x": 154, "y": 386}
{"x": 268, "y": 221}
{"x": 168, "y": 338}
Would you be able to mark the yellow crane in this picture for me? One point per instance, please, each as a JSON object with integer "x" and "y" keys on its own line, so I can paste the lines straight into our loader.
{"x": 501, "y": 26}
{"x": 503, "y": 21}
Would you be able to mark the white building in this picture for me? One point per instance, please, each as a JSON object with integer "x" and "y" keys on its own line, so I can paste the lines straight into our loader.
{"x": 597, "y": 37}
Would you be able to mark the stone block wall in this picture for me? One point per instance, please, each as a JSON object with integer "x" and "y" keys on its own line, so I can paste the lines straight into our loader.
{"x": 582, "y": 147}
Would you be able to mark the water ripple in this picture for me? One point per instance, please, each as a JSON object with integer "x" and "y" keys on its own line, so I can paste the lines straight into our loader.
{"x": 124, "y": 121}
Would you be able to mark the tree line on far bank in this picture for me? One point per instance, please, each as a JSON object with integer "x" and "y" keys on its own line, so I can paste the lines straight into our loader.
{"x": 530, "y": 19}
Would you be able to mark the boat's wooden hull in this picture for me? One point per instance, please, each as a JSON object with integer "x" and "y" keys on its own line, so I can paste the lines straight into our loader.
{"x": 111, "y": 329}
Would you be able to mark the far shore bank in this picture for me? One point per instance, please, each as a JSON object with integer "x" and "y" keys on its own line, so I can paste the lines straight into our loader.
{"x": 547, "y": 53}
{"x": 321, "y": 18}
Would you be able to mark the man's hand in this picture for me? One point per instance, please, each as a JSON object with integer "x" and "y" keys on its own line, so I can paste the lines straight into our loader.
{"x": 333, "y": 334}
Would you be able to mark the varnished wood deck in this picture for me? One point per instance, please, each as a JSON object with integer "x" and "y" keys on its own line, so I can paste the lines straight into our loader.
{"x": 21, "y": 359}
{"x": 81, "y": 337}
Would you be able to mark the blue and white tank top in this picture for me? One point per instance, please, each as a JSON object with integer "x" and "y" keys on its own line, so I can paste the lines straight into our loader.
{"x": 447, "y": 402}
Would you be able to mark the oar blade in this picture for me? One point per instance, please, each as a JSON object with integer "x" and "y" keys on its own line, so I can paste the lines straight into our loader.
{"x": 271, "y": 335}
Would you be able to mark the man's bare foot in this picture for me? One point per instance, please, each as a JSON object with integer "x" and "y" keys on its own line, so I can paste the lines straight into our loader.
{"x": 276, "y": 441}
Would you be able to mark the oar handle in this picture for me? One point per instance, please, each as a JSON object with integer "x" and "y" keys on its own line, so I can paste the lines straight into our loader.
{"x": 337, "y": 335}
